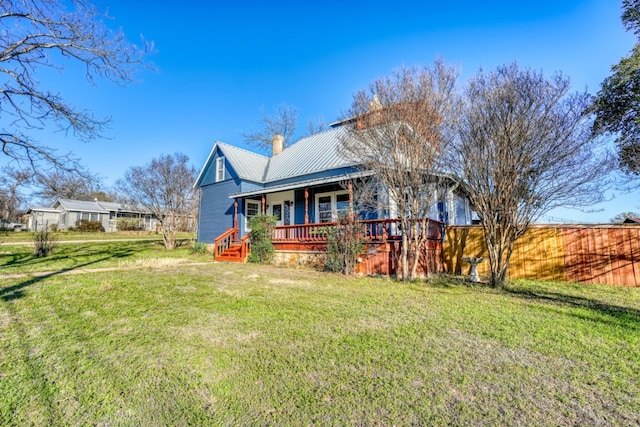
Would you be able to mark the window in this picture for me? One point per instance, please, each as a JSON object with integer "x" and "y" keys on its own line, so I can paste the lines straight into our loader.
{"x": 342, "y": 204}
{"x": 324, "y": 209}
{"x": 460, "y": 210}
{"x": 330, "y": 206}
{"x": 277, "y": 211}
{"x": 219, "y": 169}
{"x": 89, "y": 216}
{"x": 251, "y": 209}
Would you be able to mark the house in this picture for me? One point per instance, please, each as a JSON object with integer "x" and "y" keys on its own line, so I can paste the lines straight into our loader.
{"x": 65, "y": 214}
{"x": 305, "y": 185}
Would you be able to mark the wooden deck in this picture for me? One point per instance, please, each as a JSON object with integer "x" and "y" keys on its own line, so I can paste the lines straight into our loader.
{"x": 382, "y": 244}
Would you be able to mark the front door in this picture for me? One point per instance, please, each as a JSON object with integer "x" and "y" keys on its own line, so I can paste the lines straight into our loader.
{"x": 276, "y": 210}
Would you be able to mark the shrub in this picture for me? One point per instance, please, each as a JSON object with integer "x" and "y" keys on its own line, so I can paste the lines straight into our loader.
{"x": 88, "y": 226}
{"x": 345, "y": 242}
{"x": 129, "y": 224}
{"x": 262, "y": 250}
{"x": 53, "y": 227}
{"x": 44, "y": 242}
{"x": 199, "y": 248}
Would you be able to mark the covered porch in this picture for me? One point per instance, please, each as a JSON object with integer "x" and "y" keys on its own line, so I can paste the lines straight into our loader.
{"x": 312, "y": 202}
{"x": 300, "y": 243}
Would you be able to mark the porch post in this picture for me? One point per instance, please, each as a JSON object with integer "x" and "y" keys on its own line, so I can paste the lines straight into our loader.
{"x": 263, "y": 207}
{"x": 306, "y": 206}
{"x": 350, "y": 188}
{"x": 235, "y": 213}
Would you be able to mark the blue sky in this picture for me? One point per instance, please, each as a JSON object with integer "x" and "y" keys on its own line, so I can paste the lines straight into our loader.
{"x": 218, "y": 63}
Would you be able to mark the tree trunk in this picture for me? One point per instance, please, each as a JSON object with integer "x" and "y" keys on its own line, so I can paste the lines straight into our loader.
{"x": 500, "y": 248}
{"x": 405, "y": 253}
{"x": 168, "y": 237}
{"x": 417, "y": 240}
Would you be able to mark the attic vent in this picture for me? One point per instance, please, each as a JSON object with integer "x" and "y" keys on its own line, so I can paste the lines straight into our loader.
{"x": 277, "y": 144}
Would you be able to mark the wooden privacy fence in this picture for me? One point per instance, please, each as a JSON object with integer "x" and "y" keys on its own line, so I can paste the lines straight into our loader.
{"x": 574, "y": 253}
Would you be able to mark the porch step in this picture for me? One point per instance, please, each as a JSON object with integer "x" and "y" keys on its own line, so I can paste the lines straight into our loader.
{"x": 232, "y": 254}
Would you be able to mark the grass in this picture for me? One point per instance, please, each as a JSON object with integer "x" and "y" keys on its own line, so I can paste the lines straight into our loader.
{"x": 229, "y": 344}
{"x": 16, "y": 259}
{"x": 27, "y": 236}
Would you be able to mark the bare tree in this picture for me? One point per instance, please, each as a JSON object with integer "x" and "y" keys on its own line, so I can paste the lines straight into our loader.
{"x": 165, "y": 188}
{"x": 316, "y": 125}
{"x": 12, "y": 200}
{"x": 283, "y": 122}
{"x": 60, "y": 184}
{"x": 525, "y": 147}
{"x": 45, "y": 34}
{"x": 622, "y": 217}
{"x": 398, "y": 131}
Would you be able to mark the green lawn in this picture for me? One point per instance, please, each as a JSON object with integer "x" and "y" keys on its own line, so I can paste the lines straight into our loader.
{"x": 229, "y": 344}
{"x": 16, "y": 259}
{"x": 27, "y": 236}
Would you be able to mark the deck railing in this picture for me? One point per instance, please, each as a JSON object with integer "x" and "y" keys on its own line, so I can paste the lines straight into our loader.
{"x": 375, "y": 230}
{"x": 246, "y": 246}
{"x": 224, "y": 241}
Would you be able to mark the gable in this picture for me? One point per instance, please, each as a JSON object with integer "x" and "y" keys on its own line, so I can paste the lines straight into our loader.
{"x": 238, "y": 163}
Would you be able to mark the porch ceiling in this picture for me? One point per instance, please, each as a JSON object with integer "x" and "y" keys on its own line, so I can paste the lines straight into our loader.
{"x": 294, "y": 185}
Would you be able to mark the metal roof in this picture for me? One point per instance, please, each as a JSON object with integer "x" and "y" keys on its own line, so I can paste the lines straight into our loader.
{"x": 94, "y": 206}
{"x": 298, "y": 184}
{"x": 315, "y": 153}
{"x": 312, "y": 154}
{"x": 50, "y": 210}
{"x": 79, "y": 205}
{"x": 247, "y": 164}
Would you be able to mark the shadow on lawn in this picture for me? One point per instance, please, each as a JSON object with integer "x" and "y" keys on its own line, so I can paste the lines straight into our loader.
{"x": 598, "y": 310}
{"x": 628, "y": 317}
{"x": 16, "y": 291}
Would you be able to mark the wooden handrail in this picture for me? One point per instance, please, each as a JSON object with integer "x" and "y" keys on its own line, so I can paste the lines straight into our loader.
{"x": 246, "y": 246}
{"x": 375, "y": 230}
{"x": 223, "y": 241}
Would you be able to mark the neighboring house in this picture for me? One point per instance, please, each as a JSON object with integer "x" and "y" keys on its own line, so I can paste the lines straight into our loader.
{"x": 631, "y": 220}
{"x": 66, "y": 213}
{"x": 306, "y": 183}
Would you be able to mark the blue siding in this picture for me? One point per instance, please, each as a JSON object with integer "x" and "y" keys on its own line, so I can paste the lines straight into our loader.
{"x": 209, "y": 176}
{"x": 298, "y": 207}
{"x": 250, "y": 186}
{"x": 216, "y": 210}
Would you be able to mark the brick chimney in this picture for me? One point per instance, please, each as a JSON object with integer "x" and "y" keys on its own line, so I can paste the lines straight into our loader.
{"x": 277, "y": 145}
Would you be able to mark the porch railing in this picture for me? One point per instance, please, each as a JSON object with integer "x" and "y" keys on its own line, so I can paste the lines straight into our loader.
{"x": 375, "y": 230}
{"x": 224, "y": 241}
{"x": 246, "y": 246}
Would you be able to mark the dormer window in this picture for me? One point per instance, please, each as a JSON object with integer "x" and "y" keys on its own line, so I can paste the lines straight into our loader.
{"x": 219, "y": 169}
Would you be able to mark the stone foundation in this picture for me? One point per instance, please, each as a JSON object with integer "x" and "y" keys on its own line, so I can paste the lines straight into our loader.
{"x": 299, "y": 258}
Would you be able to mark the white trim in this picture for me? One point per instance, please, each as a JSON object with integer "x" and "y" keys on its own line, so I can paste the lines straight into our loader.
{"x": 246, "y": 216}
{"x": 206, "y": 164}
{"x": 280, "y": 199}
{"x": 220, "y": 168}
